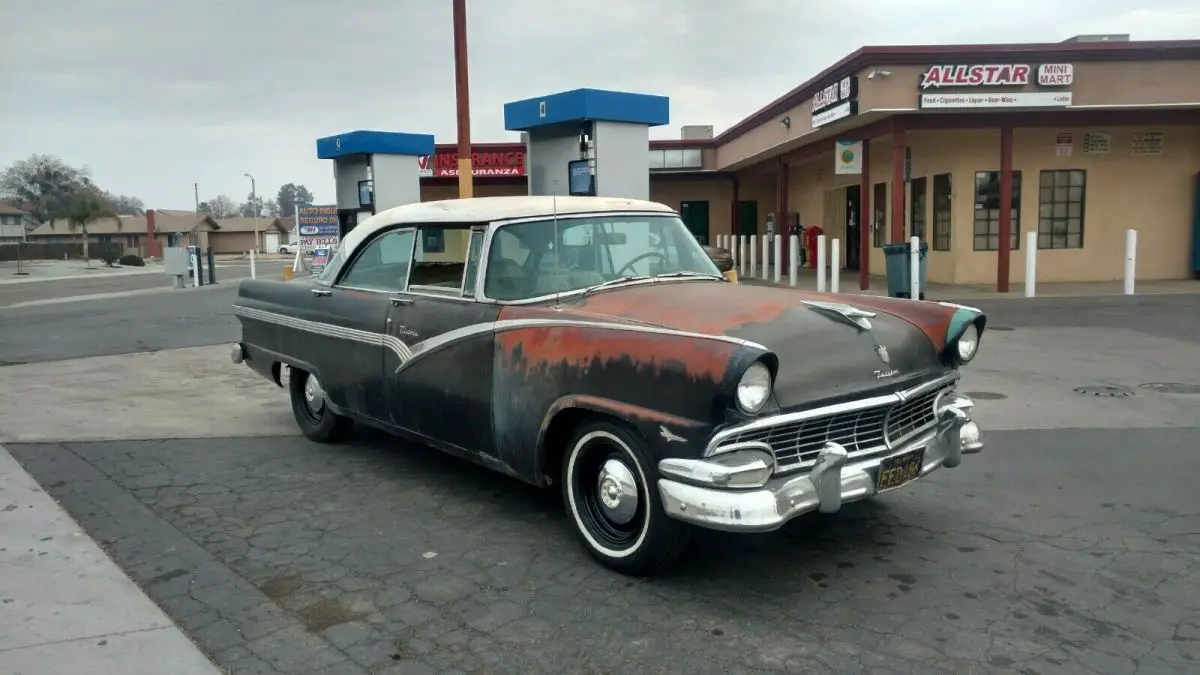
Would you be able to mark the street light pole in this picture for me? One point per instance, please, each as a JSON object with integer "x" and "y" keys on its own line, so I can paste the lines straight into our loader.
{"x": 466, "y": 186}
{"x": 254, "y": 205}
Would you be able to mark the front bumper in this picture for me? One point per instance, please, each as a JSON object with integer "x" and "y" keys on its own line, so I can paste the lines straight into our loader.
{"x": 698, "y": 491}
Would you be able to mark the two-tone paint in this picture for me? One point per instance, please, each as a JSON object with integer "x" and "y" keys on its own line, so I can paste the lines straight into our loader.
{"x": 502, "y": 384}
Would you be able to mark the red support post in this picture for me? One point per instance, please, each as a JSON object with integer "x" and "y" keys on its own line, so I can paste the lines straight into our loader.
{"x": 898, "y": 147}
{"x": 1006, "y": 188}
{"x": 733, "y": 208}
{"x": 865, "y": 219}
{"x": 781, "y": 209}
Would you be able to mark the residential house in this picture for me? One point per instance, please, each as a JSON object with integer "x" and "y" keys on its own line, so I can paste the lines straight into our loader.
{"x": 238, "y": 235}
{"x": 172, "y": 228}
{"x": 14, "y": 224}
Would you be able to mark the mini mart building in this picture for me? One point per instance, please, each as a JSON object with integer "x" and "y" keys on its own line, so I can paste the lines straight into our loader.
{"x": 1085, "y": 139}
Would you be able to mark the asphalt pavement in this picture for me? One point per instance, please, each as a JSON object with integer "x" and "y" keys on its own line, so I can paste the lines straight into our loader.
{"x": 1068, "y": 546}
{"x": 227, "y": 272}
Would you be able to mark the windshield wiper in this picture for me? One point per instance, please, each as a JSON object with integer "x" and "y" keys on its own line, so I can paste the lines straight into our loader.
{"x": 688, "y": 273}
{"x": 613, "y": 282}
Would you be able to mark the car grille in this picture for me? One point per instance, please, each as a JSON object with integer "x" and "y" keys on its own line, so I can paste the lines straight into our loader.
{"x": 864, "y": 433}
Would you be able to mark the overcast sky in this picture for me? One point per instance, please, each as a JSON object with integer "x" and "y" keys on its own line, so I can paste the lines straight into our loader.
{"x": 155, "y": 95}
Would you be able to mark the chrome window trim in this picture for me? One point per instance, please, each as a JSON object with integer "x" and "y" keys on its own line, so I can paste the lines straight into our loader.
{"x": 837, "y": 408}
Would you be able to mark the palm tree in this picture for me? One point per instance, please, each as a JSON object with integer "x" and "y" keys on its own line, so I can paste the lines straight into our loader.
{"x": 84, "y": 206}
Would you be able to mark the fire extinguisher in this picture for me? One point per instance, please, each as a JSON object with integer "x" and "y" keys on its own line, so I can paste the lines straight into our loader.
{"x": 810, "y": 244}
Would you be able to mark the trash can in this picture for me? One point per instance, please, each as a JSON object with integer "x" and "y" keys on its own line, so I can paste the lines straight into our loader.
{"x": 899, "y": 269}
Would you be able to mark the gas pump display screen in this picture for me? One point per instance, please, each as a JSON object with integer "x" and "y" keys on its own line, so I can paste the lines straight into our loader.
{"x": 579, "y": 179}
{"x": 366, "y": 193}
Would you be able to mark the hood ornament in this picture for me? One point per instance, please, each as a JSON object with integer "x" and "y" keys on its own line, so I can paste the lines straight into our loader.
{"x": 848, "y": 313}
{"x": 882, "y": 352}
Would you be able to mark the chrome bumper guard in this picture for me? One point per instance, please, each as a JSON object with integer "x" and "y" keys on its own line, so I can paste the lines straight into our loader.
{"x": 735, "y": 489}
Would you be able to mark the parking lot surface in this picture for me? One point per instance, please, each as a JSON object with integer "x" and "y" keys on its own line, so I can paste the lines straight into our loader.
{"x": 1069, "y": 546}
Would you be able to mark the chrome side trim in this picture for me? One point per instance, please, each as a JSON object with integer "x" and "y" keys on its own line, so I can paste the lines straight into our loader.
{"x": 409, "y": 354}
{"x": 396, "y": 345}
{"x": 848, "y": 406}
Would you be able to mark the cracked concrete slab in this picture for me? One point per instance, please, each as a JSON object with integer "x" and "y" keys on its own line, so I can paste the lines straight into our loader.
{"x": 179, "y": 393}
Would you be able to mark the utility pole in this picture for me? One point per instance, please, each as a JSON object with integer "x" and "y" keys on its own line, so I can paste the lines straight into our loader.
{"x": 254, "y": 205}
{"x": 466, "y": 185}
{"x": 196, "y": 196}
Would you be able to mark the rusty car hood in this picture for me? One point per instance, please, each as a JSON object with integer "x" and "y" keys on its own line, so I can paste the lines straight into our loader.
{"x": 822, "y": 355}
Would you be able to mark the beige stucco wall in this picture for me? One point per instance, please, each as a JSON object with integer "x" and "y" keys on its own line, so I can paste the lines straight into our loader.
{"x": 1152, "y": 194}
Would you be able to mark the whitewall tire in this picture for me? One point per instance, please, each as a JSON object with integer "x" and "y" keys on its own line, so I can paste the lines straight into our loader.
{"x": 611, "y": 495}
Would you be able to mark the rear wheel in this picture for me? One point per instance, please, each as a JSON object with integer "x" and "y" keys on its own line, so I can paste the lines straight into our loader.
{"x": 610, "y": 490}
{"x": 316, "y": 420}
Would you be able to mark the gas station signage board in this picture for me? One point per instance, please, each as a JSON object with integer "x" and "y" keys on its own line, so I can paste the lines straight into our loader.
{"x": 484, "y": 164}
{"x": 318, "y": 226}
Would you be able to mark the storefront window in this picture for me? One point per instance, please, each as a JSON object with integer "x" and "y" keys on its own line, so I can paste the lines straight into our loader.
{"x": 879, "y": 203}
{"x": 987, "y": 211}
{"x": 943, "y": 214}
{"x": 1060, "y": 209}
{"x": 916, "y": 209}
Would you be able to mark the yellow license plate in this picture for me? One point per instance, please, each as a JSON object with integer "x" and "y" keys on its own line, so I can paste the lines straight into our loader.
{"x": 900, "y": 469}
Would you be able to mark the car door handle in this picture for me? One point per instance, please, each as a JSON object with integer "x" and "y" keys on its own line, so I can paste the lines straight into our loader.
{"x": 397, "y": 302}
{"x": 322, "y": 292}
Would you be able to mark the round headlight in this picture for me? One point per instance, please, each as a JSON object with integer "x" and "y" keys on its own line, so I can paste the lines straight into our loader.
{"x": 754, "y": 388}
{"x": 967, "y": 344}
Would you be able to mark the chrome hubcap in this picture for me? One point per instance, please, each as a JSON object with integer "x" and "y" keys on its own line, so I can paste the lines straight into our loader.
{"x": 313, "y": 394}
{"x": 618, "y": 492}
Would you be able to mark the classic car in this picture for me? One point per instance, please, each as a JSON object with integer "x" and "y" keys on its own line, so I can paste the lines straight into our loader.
{"x": 589, "y": 344}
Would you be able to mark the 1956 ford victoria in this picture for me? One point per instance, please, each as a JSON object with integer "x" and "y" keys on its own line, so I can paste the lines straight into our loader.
{"x": 590, "y": 344}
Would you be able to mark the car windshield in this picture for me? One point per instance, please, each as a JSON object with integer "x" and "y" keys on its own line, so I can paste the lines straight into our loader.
{"x": 544, "y": 257}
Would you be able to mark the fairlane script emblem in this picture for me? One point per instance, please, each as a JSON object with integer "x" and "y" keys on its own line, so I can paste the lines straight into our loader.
{"x": 670, "y": 437}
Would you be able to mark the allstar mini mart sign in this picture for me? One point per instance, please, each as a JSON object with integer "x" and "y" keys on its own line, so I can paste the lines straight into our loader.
{"x": 835, "y": 102}
{"x": 1010, "y": 78}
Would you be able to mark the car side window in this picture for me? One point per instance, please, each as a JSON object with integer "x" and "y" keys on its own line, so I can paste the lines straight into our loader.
{"x": 383, "y": 265}
{"x": 441, "y": 260}
{"x": 474, "y": 251}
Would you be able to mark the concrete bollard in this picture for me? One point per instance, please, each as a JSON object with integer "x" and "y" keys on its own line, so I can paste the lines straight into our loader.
{"x": 741, "y": 242}
{"x": 753, "y": 256}
{"x": 778, "y": 257}
{"x": 1031, "y": 242}
{"x": 835, "y": 265}
{"x": 820, "y": 263}
{"x": 793, "y": 258}
{"x": 766, "y": 253}
{"x": 1130, "y": 260}
{"x": 914, "y": 268}
{"x": 253, "y": 272}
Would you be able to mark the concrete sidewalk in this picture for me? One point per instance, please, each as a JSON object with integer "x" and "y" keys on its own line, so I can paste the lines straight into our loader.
{"x": 65, "y": 607}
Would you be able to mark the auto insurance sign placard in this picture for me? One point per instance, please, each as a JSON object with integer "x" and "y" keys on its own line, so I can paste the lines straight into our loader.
{"x": 318, "y": 226}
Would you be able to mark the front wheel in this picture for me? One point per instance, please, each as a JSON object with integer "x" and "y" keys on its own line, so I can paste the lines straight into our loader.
{"x": 317, "y": 422}
{"x": 610, "y": 490}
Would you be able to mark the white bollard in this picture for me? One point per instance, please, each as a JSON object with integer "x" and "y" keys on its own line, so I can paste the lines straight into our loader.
{"x": 741, "y": 242}
{"x": 733, "y": 252}
{"x": 194, "y": 259}
{"x": 1130, "y": 260}
{"x": 766, "y": 259}
{"x": 793, "y": 258}
{"x": 820, "y": 263}
{"x": 835, "y": 265}
{"x": 778, "y": 257}
{"x": 914, "y": 268}
{"x": 253, "y": 274}
{"x": 1031, "y": 242}
{"x": 753, "y": 256}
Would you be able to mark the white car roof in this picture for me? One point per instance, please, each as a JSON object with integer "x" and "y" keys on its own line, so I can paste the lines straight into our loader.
{"x": 489, "y": 209}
